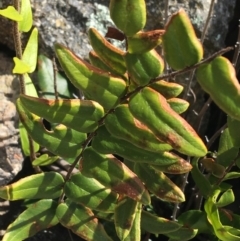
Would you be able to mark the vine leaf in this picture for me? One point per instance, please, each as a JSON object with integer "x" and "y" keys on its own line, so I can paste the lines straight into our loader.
{"x": 44, "y": 160}
{"x": 38, "y": 216}
{"x": 11, "y": 13}
{"x": 38, "y": 186}
{"x": 26, "y": 13}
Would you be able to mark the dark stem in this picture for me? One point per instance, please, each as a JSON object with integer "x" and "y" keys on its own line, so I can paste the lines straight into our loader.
{"x": 55, "y": 70}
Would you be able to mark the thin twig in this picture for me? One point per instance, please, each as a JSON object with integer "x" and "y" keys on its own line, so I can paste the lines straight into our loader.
{"x": 55, "y": 70}
{"x": 237, "y": 48}
{"x": 216, "y": 135}
{"x": 202, "y": 40}
{"x": 18, "y": 45}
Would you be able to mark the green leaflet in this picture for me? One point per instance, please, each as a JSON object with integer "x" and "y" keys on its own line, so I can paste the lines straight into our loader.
{"x": 151, "y": 108}
{"x": 167, "y": 89}
{"x": 81, "y": 221}
{"x": 144, "y": 67}
{"x": 60, "y": 140}
{"x": 124, "y": 216}
{"x": 218, "y": 79}
{"x": 113, "y": 174}
{"x": 45, "y": 75}
{"x": 178, "y": 105}
{"x": 90, "y": 193}
{"x": 226, "y": 150}
{"x": 38, "y": 216}
{"x": 179, "y": 167}
{"x": 158, "y": 225}
{"x": 224, "y": 233}
{"x": 143, "y": 42}
{"x": 159, "y": 184}
{"x": 109, "y": 54}
{"x": 182, "y": 234}
{"x": 201, "y": 181}
{"x": 38, "y": 186}
{"x": 80, "y": 115}
{"x": 180, "y": 44}
{"x": 44, "y": 160}
{"x": 123, "y": 125}
{"x": 11, "y": 13}
{"x": 104, "y": 143}
{"x": 233, "y": 128}
{"x": 97, "y": 84}
{"x": 128, "y": 15}
{"x": 195, "y": 219}
{"x": 135, "y": 232}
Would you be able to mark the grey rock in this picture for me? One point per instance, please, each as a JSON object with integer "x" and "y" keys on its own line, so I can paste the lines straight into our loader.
{"x": 67, "y": 22}
{"x": 11, "y": 157}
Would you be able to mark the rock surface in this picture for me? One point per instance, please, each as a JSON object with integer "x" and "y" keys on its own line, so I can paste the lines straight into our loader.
{"x": 10, "y": 153}
{"x": 67, "y": 21}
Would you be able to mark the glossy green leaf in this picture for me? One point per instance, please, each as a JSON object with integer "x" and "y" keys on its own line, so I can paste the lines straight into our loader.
{"x": 44, "y": 160}
{"x": 46, "y": 80}
{"x": 200, "y": 179}
{"x": 152, "y": 109}
{"x": 38, "y": 186}
{"x": 81, "y": 221}
{"x": 11, "y": 13}
{"x": 180, "y": 43}
{"x": 123, "y": 125}
{"x": 29, "y": 86}
{"x": 80, "y": 115}
{"x": 128, "y": 15}
{"x": 90, "y": 193}
{"x": 108, "y": 53}
{"x": 144, "y": 67}
{"x": 195, "y": 219}
{"x": 233, "y": 127}
{"x": 226, "y": 199}
{"x": 124, "y": 216}
{"x": 104, "y": 143}
{"x": 113, "y": 174}
{"x": 159, "y": 184}
{"x": 95, "y": 83}
{"x": 25, "y": 141}
{"x": 231, "y": 175}
{"x": 218, "y": 79}
{"x": 30, "y": 52}
{"x": 158, "y": 225}
{"x": 26, "y": 13}
{"x": 180, "y": 167}
{"x": 178, "y": 105}
{"x": 143, "y": 42}
{"x": 135, "y": 232}
{"x": 20, "y": 67}
{"x": 224, "y": 233}
{"x": 182, "y": 234}
{"x": 167, "y": 89}
{"x": 226, "y": 150}
{"x": 38, "y": 216}
{"x": 60, "y": 140}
